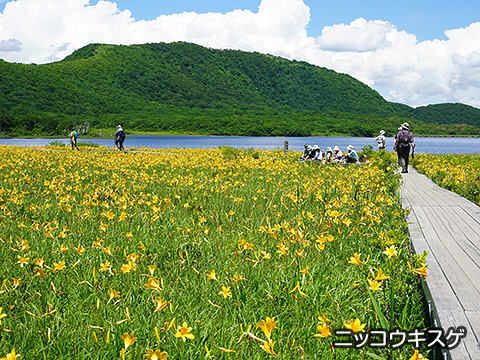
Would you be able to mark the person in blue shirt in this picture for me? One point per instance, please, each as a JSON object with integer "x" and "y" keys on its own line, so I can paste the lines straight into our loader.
{"x": 73, "y": 139}
{"x": 351, "y": 157}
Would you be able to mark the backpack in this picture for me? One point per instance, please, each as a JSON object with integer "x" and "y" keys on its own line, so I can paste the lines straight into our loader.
{"x": 404, "y": 138}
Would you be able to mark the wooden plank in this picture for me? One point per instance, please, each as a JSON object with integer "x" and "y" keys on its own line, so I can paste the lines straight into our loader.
{"x": 459, "y": 269}
{"x": 448, "y": 227}
{"x": 468, "y": 347}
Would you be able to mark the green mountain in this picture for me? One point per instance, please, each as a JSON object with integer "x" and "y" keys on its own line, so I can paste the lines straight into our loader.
{"x": 186, "y": 88}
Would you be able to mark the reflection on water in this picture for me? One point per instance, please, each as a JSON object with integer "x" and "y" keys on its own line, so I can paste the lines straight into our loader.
{"x": 423, "y": 145}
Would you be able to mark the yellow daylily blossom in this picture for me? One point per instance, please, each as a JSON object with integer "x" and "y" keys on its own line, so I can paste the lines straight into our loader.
{"x": 267, "y": 326}
{"x": 212, "y": 275}
{"x": 184, "y": 332}
{"x": 417, "y": 356}
{"x": 390, "y": 251}
{"x": 355, "y": 259}
{"x": 374, "y": 285}
{"x": 156, "y": 355}
{"x": 153, "y": 284}
{"x": 225, "y": 292}
{"x": 161, "y": 304}
{"x": 355, "y": 325}
{"x": 324, "y": 331}
{"x": 128, "y": 340}
{"x": 11, "y": 356}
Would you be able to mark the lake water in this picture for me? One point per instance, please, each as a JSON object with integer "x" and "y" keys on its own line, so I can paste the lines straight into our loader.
{"x": 423, "y": 145}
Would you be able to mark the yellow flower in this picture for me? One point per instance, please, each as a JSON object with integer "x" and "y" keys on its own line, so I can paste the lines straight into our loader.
{"x": 324, "y": 331}
{"x": 11, "y": 356}
{"x": 225, "y": 292}
{"x": 268, "y": 326}
{"x": 417, "y": 356}
{"x": 237, "y": 278}
{"x": 128, "y": 267}
{"x": 151, "y": 269}
{"x": 153, "y": 284}
{"x": 113, "y": 294}
{"x": 59, "y": 266}
{"x": 422, "y": 271}
{"x": 323, "y": 319}
{"x": 380, "y": 276}
{"x": 374, "y": 285}
{"x": 184, "y": 332}
{"x": 305, "y": 271}
{"x": 355, "y": 325}
{"x": 161, "y": 304}
{"x": 128, "y": 340}
{"x": 2, "y": 315}
{"x": 269, "y": 348}
{"x": 155, "y": 355}
{"x": 22, "y": 260}
{"x": 212, "y": 276}
{"x": 355, "y": 259}
{"x": 390, "y": 251}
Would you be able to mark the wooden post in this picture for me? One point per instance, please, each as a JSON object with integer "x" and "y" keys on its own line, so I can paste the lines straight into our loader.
{"x": 285, "y": 148}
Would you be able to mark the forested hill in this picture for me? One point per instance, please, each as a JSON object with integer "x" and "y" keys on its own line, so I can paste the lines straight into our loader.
{"x": 186, "y": 88}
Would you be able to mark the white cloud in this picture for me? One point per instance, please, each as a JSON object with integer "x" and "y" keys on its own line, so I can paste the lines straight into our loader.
{"x": 373, "y": 51}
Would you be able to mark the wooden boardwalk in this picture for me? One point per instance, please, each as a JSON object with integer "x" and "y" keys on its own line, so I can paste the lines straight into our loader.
{"x": 447, "y": 226}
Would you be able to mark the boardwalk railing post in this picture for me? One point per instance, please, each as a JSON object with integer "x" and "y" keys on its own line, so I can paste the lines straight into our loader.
{"x": 285, "y": 148}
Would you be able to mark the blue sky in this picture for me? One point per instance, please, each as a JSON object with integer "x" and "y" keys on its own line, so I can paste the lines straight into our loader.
{"x": 427, "y": 19}
{"x": 415, "y": 52}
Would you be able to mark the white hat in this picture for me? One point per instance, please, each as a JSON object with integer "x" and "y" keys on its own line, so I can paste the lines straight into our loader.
{"x": 309, "y": 147}
{"x": 350, "y": 147}
{"x": 382, "y": 132}
{"x": 329, "y": 149}
{"x": 400, "y": 128}
{"x": 405, "y": 125}
{"x": 119, "y": 126}
{"x": 316, "y": 147}
{"x": 336, "y": 148}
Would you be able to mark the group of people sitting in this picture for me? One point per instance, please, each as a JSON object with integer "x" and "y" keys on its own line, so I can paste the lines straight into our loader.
{"x": 314, "y": 153}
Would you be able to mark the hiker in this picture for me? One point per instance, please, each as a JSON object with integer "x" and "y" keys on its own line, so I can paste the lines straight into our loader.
{"x": 306, "y": 152}
{"x": 73, "y": 139}
{"x": 380, "y": 139}
{"x": 403, "y": 144}
{"x": 119, "y": 138}
{"x": 316, "y": 153}
{"x": 329, "y": 155}
{"x": 351, "y": 157}
{"x": 395, "y": 148}
{"x": 337, "y": 154}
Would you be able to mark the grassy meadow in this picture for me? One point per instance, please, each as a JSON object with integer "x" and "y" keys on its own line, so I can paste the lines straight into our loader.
{"x": 200, "y": 254}
{"x": 457, "y": 173}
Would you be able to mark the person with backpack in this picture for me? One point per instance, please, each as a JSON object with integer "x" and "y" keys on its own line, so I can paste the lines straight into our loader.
{"x": 73, "y": 139}
{"x": 403, "y": 144}
{"x": 381, "y": 141}
{"x": 119, "y": 138}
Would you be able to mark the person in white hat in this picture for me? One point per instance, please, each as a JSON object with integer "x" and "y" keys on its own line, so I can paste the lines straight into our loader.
{"x": 337, "y": 154}
{"x": 329, "y": 155}
{"x": 381, "y": 141}
{"x": 351, "y": 157}
{"x": 316, "y": 153}
{"x": 119, "y": 138}
{"x": 403, "y": 143}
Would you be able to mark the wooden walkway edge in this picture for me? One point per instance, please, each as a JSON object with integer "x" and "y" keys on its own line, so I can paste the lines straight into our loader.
{"x": 447, "y": 226}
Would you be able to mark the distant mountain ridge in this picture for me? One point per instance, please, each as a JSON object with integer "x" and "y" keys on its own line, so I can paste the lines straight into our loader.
{"x": 187, "y": 88}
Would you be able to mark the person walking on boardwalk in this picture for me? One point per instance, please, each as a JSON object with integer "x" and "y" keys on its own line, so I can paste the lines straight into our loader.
{"x": 403, "y": 144}
{"x": 381, "y": 141}
{"x": 119, "y": 138}
{"x": 73, "y": 139}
